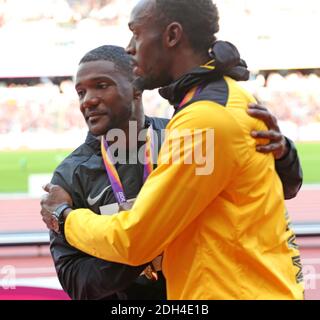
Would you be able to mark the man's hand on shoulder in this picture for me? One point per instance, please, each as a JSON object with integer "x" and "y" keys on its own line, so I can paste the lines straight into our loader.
{"x": 278, "y": 144}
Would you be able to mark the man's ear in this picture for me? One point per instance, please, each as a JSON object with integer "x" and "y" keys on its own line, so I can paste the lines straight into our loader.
{"x": 173, "y": 34}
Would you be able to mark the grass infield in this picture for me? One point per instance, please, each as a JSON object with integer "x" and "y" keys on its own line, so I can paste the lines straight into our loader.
{"x": 15, "y": 167}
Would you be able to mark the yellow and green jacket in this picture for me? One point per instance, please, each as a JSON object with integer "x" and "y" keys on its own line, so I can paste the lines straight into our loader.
{"x": 223, "y": 234}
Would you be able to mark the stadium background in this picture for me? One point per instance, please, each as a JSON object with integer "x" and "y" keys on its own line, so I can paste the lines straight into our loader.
{"x": 40, "y": 123}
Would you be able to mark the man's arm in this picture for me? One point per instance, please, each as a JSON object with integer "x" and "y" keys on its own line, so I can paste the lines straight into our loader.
{"x": 163, "y": 209}
{"x": 287, "y": 161}
{"x": 88, "y": 278}
{"x": 290, "y": 171}
{"x": 82, "y": 276}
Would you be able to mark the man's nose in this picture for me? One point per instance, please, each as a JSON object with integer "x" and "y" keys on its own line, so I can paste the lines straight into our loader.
{"x": 131, "y": 47}
{"x": 90, "y": 101}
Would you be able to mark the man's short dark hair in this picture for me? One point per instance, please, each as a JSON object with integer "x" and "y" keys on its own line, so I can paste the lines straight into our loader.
{"x": 115, "y": 54}
{"x": 199, "y": 19}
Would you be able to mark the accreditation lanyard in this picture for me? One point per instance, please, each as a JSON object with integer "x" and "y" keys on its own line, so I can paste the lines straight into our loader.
{"x": 112, "y": 173}
{"x": 189, "y": 96}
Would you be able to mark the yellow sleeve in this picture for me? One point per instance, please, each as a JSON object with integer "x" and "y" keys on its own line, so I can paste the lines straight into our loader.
{"x": 173, "y": 195}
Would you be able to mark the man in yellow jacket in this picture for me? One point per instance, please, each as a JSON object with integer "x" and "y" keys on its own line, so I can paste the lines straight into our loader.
{"x": 213, "y": 207}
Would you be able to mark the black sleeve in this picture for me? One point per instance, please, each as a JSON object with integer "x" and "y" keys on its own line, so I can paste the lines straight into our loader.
{"x": 290, "y": 172}
{"x": 88, "y": 278}
{"x": 83, "y": 276}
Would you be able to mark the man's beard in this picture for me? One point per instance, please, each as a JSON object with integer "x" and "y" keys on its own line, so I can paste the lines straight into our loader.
{"x": 144, "y": 84}
{"x": 150, "y": 83}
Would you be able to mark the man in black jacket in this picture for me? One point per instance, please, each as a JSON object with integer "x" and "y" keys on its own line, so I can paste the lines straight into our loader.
{"x": 107, "y": 101}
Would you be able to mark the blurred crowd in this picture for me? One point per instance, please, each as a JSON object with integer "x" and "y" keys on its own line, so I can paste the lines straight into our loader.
{"x": 294, "y": 97}
{"x": 40, "y": 108}
{"x": 47, "y": 106}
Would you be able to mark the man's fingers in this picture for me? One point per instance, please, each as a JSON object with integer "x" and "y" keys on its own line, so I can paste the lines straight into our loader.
{"x": 260, "y": 114}
{"x": 270, "y": 135}
{"x": 47, "y": 222}
{"x": 268, "y": 148}
{"x": 48, "y": 219}
{"x": 45, "y": 202}
{"x": 46, "y": 214}
{"x": 48, "y": 187}
{"x": 269, "y": 119}
{"x": 277, "y": 143}
{"x": 255, "y": 106}
{"x": 43, "y": 199}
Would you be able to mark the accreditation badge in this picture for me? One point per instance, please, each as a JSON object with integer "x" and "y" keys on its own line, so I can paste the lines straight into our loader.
{"x": 113, "y": 208}
{"x": 126, "y": 206}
